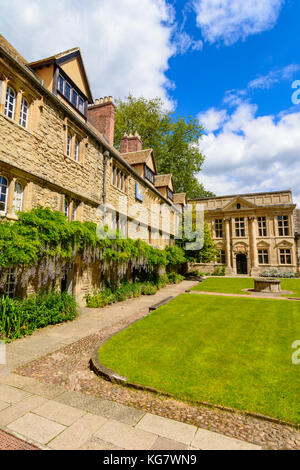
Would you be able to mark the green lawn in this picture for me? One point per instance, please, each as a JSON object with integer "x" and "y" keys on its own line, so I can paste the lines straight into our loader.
{"x": 223, "y": 350}
{"x": 230, "y": 285}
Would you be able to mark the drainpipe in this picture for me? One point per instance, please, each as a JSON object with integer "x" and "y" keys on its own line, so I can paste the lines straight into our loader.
{"x": 106, "y": 157}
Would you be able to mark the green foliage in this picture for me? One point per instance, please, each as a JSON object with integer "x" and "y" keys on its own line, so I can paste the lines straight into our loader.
{"x": 174, "y": 140}
{"x": 276, "y": 272}
{"x": 43, "y": 233}
{"x": 220, "y": 271}
{"x": 128, "y": 290}
{"x": 207, "y": 253}
{"x": 22, "y": 317}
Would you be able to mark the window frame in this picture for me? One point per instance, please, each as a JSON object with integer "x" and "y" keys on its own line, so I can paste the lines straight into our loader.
{"x": 8, "y": 103}
{"x": 2, "y": 177}
{"x": 15, "y": 210}
{"x": 219, "y": 228}
{"x": 283, "y": 225}
{"x": 240, "y": 227}
{"x": 76, "y": 149}
{"x": 149, "y": 174}
{"x": 24, "y": 105}
{"x": 221, "y": 257}
{"x": 285, "y": 254}
{"x": 263, "y": 256}
{"x": 262, "y": 226}
{"x": 69, "y": 144}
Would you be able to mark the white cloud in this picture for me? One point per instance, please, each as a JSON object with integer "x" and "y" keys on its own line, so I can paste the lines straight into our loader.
{"x": 275, "y": 76}
{"x": 253, "y": 153}
{"x": 212, "y": 119}
{"x": 184, "y": 42}
{"x": 231, "y": 20}
{"x": 126, "y": 45}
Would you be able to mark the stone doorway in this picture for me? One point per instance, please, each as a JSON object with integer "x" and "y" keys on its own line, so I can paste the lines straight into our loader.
{"x": 241, "y": 264}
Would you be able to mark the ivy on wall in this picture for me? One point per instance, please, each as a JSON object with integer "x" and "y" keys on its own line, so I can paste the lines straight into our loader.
{"x": 42, "y": 241}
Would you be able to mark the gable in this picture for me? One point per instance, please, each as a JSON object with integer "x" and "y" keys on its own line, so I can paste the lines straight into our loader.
{"x": 73, "y": 69}
{"x": 151, "y": 163}
{"x": 244, "y": 204}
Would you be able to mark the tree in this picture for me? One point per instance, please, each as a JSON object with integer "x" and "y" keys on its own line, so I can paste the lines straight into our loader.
{"x": 174, "y": 140}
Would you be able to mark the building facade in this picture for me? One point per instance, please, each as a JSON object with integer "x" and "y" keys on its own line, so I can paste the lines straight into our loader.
{"x": 252, "y": 232}
{"x": 56, "y": 150}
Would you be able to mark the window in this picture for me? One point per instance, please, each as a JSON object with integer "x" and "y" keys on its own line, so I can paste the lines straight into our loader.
{"x": 74, "y": 98}
{"x": 283, "y": 225}
{"x": 68, "y": 89}
{"x": 10, "y": 286}
{"x": 263, "y": 257}
{"x": 170, "y": 194}
{"x": 74, "y": 210}
{"x": 69, "y": 142}
{"x": 238, "y": 206}
{"x": 219, "y": 228}
{"x": 285, "y": 256}
{"x": 262, "y": 226}
{"x": 3, "y": 193}
{"x": 81, "y": 104}
{"x": 76, "y": 150}
{"x": 148, "y": 174}
{"x": 239, "y": 227}
{"x": 118, "y": 178}
{"x": 24, "y": 113}
{"x": 67, "y": 208}
{"x": 61, "y": 83}
{"x": 221, "y": 257}
{"x": 10, "y": 103}
{"x": 18, "y": 198}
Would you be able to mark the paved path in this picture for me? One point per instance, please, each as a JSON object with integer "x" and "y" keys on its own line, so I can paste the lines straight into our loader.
{"x": 50, "y": 417}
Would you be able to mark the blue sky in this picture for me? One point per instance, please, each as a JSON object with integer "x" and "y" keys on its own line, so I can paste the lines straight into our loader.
{"x": 230, "y": 63}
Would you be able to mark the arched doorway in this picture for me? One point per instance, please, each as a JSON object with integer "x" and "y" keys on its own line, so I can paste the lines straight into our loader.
{"x": 241, "y": 264}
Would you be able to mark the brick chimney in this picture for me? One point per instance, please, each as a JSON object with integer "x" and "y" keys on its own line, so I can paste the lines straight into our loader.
{"x": 102, "y": 115}
{"x": 131, "y": 143}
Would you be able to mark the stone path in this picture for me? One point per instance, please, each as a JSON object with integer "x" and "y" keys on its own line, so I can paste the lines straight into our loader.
{"x": 50, "y": 417}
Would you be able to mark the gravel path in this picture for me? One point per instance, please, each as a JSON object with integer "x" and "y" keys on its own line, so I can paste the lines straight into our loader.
{"x": 69, "y": 367}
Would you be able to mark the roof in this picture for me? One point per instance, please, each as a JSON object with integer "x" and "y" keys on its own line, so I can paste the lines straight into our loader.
{"x": 62, "y": 57}
{"x": 179, "y": 198}
{"x": 59, "y": 55}
{"x": 242, "y": 195}
{"x": 162, "y": 180}
{"x": 134, "y": 158}
{"x": 12, "y": 51}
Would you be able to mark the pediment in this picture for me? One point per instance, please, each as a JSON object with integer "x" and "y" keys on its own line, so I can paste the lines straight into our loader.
{"x": 244, "y": 204}
{"x": 284, "y": 244}
{"x": 263, "y": 244}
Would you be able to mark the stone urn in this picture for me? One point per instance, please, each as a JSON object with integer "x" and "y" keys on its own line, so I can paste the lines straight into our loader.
{"x": 267, "y": 285}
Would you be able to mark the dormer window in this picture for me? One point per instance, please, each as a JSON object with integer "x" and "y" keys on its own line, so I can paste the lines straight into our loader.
{"x": 61, "y": 84}
{"x": 74, "y": 98}
{"x": 170, "y": 194}
{"x": 148, "y": 174}
{"x": 80, "y": 104}
{"x": 68, "y": 89}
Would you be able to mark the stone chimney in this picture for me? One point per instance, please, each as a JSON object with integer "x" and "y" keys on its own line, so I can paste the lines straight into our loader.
{"x": 102, "y": 115}
{"x": 131, "y": 143}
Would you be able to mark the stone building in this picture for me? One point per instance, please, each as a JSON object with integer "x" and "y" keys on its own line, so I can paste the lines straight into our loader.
{"x": 56, "y": 150}
{"x": 252, "y": 232}
{"x": 297, "y": 237}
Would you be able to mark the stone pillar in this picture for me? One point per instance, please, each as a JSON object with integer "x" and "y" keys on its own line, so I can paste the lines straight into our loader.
{"x": 227, "y": 241}
{"x": 254, "y": 254}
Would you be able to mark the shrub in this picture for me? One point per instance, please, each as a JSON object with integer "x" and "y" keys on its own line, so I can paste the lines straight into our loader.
{"x": 174, "y": 278}
{"x": 276, "y": 272}
{"x": 149, "y": 289}
{"x": 220, "y": 271}
{"x": 22, "y": 317}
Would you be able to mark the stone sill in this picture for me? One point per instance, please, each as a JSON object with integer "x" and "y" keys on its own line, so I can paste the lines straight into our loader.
{"x": 12, "y": 121}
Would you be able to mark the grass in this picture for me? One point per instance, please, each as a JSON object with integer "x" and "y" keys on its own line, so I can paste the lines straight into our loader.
{"x": 224, "y": 350}
{"x": 230, "y": 285}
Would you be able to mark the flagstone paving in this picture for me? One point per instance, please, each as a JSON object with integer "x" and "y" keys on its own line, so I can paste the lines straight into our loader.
{"x": 50, "y": 415}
